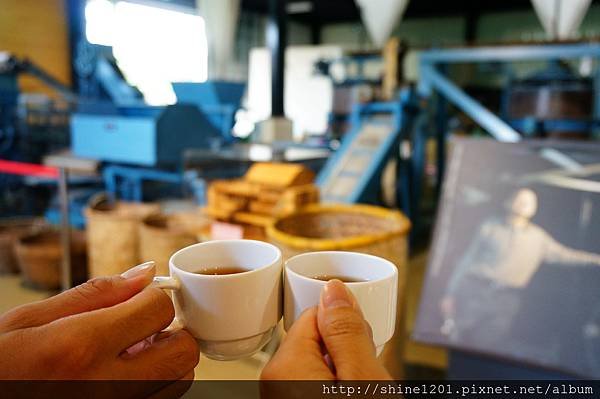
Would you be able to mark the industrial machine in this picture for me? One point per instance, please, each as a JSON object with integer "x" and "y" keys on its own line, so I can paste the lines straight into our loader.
{"x": 555, "y": 101}
{"x": 218, "y": 100}
{"x": 31, "y": 125}
{"x": 139, "y": 143}
{"x": 22, "y": 117}
{"x": 353, "y": 173}
{"x": 360, "y": 78}
{"x": 529, "y": 106}
{"x": 144, "y": 136}
{"x": 377, "y": 119}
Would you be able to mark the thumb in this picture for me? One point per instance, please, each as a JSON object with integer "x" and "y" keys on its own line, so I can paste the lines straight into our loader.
{"x": 346, "y": 335}
{"x": 95, "y": 294}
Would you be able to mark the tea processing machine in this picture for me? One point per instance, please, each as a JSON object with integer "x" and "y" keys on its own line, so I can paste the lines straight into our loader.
{"x": 353, "y": 173}
{"x": 140, "y": 143}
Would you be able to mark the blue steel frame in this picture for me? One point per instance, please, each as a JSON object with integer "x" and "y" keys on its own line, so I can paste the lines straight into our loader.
{"x": 400, "y": 119}
{"x": 128, "y": 181}
{"x": 433, "y": 79}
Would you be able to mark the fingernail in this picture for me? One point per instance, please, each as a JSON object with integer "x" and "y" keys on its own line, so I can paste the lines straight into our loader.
{"x": 335, "y": 295}
{"x": 138, "y": 270}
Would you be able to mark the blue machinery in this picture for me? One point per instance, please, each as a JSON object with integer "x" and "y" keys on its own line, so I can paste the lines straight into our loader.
{"x": 433, "y": 79}
{"x": 144, "y": 136}
{"x": 353, "y": 173}
{"x": 141, "y": 143}
{"x": 218, "y": 100}
{"x": 140, "y": 151}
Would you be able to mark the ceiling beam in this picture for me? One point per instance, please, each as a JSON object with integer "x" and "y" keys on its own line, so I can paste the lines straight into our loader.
{"x": 336, "y": 11}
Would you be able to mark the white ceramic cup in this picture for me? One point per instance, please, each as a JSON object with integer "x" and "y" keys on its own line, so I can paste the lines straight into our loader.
{"x": 376, "y": 293}
{"x": 231, "y": 315}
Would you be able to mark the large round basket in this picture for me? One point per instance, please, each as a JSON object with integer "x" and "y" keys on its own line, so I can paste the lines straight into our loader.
{"x": 357, "y": 228}
{"x": 163, "y": 235}
{"x": 10, "y": 231}
{"x": 360, "y": 228}
{"x": 113, "y": 235}
{"x": 39, "y": 256}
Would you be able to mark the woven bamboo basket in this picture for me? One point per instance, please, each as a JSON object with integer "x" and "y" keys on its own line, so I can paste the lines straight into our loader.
{"x": 163, "y": 235}
{"x": 10, "y": 231}
{"x": 113, "y": 235}
{"x": 39, "y": 255}
{"x": 357, "y": 228}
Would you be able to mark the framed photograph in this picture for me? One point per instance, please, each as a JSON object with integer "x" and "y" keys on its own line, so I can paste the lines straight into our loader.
{"x": 514, "y": 268}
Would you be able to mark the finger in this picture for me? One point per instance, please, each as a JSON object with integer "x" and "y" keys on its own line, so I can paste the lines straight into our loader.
{"x": 170, "y": 358}
{"x": 357, "y": 308}
{"x": 95, "y": 294}
{"x": 346, "y": 336}
{"x": 123, "y": 325}
{"x": 146, "y": 343}
{"x": 299, "y": 356}
{"x": 303, "y": 336}
{"x": 191, "y": 376}
{"x": 137, "y": 348}
{"x": 369, "y": 330}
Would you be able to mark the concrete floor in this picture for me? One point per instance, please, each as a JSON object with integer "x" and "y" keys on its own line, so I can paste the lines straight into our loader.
{"x": 14, "y": 294}
{"x": 416, "y": 355}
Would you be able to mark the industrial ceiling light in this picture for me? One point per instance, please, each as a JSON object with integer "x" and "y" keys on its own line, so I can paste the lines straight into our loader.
{"x": 561, "y": 18}
{"x": 380, "y": 17}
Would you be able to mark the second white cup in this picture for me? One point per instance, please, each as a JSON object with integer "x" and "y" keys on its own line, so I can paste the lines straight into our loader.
{"x": 376, "y": 289}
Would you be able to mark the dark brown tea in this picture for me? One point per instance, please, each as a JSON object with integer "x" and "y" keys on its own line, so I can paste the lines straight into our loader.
{"x": 221, "y": 270}
{"x": 343, "y": 279}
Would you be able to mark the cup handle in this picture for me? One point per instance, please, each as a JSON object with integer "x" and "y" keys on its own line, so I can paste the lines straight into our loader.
{"x": 168, "y": 283}
{"x": 165, "y": 283}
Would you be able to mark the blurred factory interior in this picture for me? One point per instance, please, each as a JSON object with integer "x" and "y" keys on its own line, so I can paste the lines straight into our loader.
{"x": 137, "y": 127}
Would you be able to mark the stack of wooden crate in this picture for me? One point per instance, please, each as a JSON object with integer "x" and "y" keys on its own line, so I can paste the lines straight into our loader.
{"x": 267, "y": 191}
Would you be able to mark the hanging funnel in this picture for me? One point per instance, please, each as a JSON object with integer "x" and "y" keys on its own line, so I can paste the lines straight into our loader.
{"x": 380, "y": 17}
{"x": 561, "y": 18}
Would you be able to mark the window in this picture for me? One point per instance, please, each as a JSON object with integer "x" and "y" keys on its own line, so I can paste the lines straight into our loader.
{"x": 153, "y": 46}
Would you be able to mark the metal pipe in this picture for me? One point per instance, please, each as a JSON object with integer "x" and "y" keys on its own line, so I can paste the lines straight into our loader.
{"x": 432, "y": 79}
{"x": 65, "y": 230}
{"x": 511, "y": 53}
{"x": 277, "y": 42}
{"x": 441, "y": 128}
